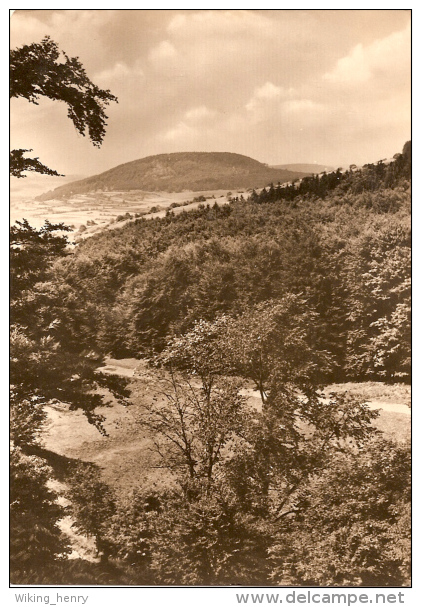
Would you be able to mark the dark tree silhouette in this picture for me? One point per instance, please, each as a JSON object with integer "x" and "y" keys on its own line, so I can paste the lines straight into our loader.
{"x": 42, "y": 70}
{"x": 19, "y": 164}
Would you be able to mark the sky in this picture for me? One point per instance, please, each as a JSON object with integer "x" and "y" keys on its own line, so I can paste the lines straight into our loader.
{"x": 331, "y": 87}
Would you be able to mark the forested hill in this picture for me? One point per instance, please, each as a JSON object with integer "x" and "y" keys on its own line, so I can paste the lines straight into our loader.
{"x": 355, "y": 180}
{"x": 176, "y": 172}
{"x": 286, "y": 291}
{"x": 345, "y": 250}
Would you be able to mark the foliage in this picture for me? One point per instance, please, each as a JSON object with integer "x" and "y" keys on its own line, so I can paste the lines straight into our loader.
{"x": 289, "y": 294}
{"x": 40, "y": 69}
{"x": 220, "y": 530}
{"x": 241, "y": 472}
{"x": 190, "y": 422}
{"x": 47, "y": 365}
{"x": 379, "y": 316}
{"x": 131, "y": 528}
{"x": 160, "y": 537}
{"x": 208, "y": 542}
{"x": 44, "y": 368}
{"x": 32, "y": 251}
{"x": 351, "y": 525}
{"x": 271, "y": 343}
{"x": 290, "y": 442}
{"x": 199, "y": 352}
{"x": 346, "y": 256}
{"x": 49, "y": 359}
{"x": 74, "y": 572}
{"x": 390, "y": 348}
{"x": 19, "y": 165}
{"x": 92, "y": 504}
{"x": 356, "y": 180}
{"x": 36, "y": 540}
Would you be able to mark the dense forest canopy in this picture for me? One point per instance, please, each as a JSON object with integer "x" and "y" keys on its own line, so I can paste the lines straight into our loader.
{"x": 341, "y": 240}
{"x": 291, "y": 289}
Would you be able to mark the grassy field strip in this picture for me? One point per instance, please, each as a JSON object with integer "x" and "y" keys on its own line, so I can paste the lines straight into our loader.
{"x": 392, "y": 398}
{"x": 125, "y": 456}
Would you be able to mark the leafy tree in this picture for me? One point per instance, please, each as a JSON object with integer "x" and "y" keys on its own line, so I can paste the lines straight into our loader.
{"x": 19, "y": 164}
{"x": 295, "y": 493}
{"x": 242, "y": 472}
{"x": 379, "y": 301}
{"x": 130, "y": 528}
{"x": 351, "y": 524}
{"x": 390, "y": 347}
{"x": 164, "y": 538}
{"x": 208, "y": 542}
{"x": 92, "y": 504}
{"x": 271, "y": 342}
{"x": 290, "y": 442}
{"x": 298, "y": 427}
{"x": 32, "y": 251}
{"x": 36, "y": 539}
{"x": 198, "y": 352}
{"x": 45, "y": 367}
{"x": 41, "y": 70}
{"x": 370, "y": 178}
{"x": 190, "y": 422}
{"x": 39, "y": 369}
{"x": 164, "y": 275}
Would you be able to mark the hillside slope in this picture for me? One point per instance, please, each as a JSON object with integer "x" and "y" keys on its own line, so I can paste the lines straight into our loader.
{"x": 176, "y": 172}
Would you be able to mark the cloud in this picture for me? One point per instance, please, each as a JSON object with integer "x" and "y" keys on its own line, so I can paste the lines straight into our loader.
{"x": 300, "y": 106}
{"x": 191, "y": 128}
{"x": 280, "y": 86}
{"x": 199, "y": 113}
{"x": 118, "y": 72}
{"x": 179, "y": 133}
{"x": 368, "y": 92}
{"x": 165, "y": 50}
{"x": 219, "y": 24}
{"x": 273, "y": 105}
{"x": 269, "y": 91}
{"x": 80, "y": 33}
{"x": 223, "y": 48}
{"x": 265, "y": 93}
{"x": 381, "y": 60}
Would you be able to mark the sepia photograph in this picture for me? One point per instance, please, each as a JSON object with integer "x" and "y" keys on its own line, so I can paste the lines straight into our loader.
{"x": 210, "y": 302}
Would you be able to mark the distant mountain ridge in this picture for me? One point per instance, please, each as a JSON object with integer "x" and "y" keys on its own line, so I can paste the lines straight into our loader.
{"x": 306, "y": 168}
{"x": 180, "y": 171}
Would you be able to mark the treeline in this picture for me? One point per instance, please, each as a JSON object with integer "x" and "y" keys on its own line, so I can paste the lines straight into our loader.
{"x": 347, "y": 254}
{"x": 302, "y": 490}
{"x": 355, "y": 180}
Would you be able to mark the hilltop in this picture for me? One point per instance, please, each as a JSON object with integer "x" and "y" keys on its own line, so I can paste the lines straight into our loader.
{"x": 180, "y": 171}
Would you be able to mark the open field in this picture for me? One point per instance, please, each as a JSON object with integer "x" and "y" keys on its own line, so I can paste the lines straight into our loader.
{"x": 383, "y": 395}
{"x": 101, "y": 209}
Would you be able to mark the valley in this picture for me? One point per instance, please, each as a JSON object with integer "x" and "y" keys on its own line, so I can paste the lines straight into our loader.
{"x": 210, "y": 259}
{"x": 231, "y": 380}
{"x": 126, "y": 458}
{"x": 106, "y": 210}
